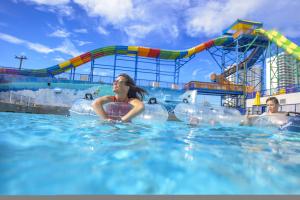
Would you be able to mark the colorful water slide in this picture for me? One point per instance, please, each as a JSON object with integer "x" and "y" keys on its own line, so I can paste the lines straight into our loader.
{"x": 281, "y": 41}
{"x": 239, "y": 27}
{"x": 124, "y": 50}
{"x": 273, "y": 36}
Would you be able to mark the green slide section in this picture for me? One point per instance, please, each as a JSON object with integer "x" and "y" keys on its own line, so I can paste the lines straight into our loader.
{"x": 281, "y": 41}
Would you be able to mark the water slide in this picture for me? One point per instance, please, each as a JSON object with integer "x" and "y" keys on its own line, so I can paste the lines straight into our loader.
{"x": 274, "y": 36}
{"x": 281, "y": 41}
{"x": 124, "y": 50}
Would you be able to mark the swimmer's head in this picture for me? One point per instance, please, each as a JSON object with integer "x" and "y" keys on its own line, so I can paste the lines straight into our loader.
{"x": 124, "y": 84}
{"x": 273, "y": 104}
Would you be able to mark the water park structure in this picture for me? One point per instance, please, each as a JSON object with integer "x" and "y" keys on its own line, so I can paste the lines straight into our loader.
{"x": 243, "y": 53}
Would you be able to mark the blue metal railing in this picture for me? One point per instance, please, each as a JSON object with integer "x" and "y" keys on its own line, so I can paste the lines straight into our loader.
{"x": 276, "y": 91}
{"x": 109, "y": 80}
{"x": 257, "y": 110}
{"x": 3, "y": 67}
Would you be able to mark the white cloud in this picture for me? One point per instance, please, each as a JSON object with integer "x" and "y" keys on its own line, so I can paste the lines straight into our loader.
{"x": 11, "y": 39}
{"x": 61, "y": 33}
{"x": 212, "y": 17}
{"x": 82, "y": 43}
{"x": 281, "y": 15}
{"x": 39, "y": 47}
{"x": 169, "y": 19}
{"x": 59, "y": 59}
{"x": 174, "y": 31}
{"x": 67, "y": 47}
{"x": 62, "y": 10}
{"x": 33, "y": 46}
{"x": 59, "y": 7}
{"x": 112, "y": 11}
{"x": 49, "y": 2}
{"x": 136, "y": 18}
{"x": 137, "y": 32}
{"x": 80, "y": 30}
{"x": 102, "y": 31}
{"x": 157, "y": 18}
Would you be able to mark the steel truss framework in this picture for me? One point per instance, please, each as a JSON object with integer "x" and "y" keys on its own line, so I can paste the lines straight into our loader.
{"x": 242, "y": 62}
{"x": 277, "y": 58}
{"x": 141, "y": 68}
{"x": 272, "y": 54}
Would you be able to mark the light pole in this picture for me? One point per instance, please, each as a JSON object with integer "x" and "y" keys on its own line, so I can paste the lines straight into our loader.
{"x": 21, "y": 58}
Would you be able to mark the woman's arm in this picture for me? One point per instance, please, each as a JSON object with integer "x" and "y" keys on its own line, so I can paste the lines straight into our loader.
{"x": 98, "y": 105}
{"x": 248, "y": 119}
{"x": 138, "y": 107}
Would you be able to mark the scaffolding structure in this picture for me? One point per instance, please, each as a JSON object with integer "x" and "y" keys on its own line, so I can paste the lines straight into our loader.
{"x": 248, "y": 58}
{"x": 284, "y": 71}
{"x": 245, "y": 53}
{"x": 242, "y": 61}
{"x": 150, "y": 70}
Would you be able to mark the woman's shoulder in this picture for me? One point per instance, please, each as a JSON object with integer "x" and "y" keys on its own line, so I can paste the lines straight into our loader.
{"x": 281, "y": 113}
{"x": 106, "y": 98}
{"x": 135, "y": 101}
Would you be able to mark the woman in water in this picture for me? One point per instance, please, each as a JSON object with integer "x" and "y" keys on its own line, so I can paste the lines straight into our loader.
{"x": 274, "y": 116}
{"x": 127, "y": 94}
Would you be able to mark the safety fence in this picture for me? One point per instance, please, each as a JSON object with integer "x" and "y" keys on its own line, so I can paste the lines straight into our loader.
{"x": 257, "y": 110}
{"x": 110, "y": 79}
{"x": 276, "y": 91}
{"x": 13, "y": 98}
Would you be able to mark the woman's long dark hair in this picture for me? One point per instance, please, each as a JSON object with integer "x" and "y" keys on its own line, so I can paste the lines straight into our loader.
{"x": 134, "y": 91}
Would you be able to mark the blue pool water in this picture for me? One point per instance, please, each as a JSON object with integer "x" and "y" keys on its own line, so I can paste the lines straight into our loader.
{"x": 48, "y": 154}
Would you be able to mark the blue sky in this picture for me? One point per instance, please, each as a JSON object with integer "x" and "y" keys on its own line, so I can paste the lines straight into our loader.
{"x": 50, "y": 31}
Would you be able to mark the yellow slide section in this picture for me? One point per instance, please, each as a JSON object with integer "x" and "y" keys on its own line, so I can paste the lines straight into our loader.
{"x": 281, "y": 41}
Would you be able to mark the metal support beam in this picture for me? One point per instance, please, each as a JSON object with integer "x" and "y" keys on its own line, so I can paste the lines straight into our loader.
{"x": 274, "y": 72}
{"x": 114, "y": 69}
{"x": 136, "y": 67}
{"x": 157, "y": 77}
{"x": 91, "y": 78}
{"x": 237, "y": 61}
{"x": 158, "y": 69}
{"x": 71, "y": 74}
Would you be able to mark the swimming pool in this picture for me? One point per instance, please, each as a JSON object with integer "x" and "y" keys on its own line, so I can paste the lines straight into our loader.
{"x": 49, "y": 154}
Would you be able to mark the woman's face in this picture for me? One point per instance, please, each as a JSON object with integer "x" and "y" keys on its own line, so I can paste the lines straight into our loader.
{"x": 273, "y": 108}
{"x": 119, "y": 85}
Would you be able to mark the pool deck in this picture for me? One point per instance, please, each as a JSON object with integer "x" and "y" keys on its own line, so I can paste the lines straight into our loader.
{"x": 46, "y": 109}
{"x": 33, "y": 108}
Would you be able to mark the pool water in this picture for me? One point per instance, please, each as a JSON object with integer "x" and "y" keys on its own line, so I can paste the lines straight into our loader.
{"x": 48, "y": 154}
